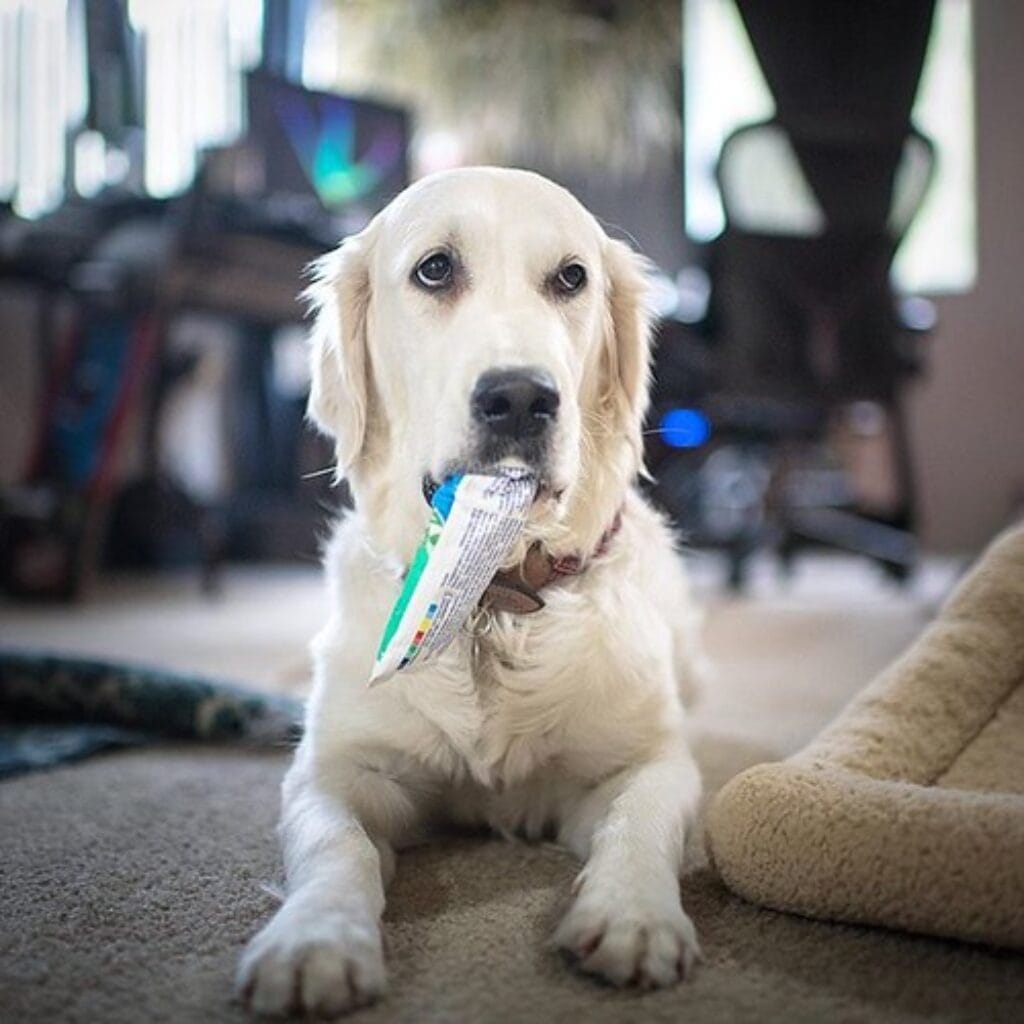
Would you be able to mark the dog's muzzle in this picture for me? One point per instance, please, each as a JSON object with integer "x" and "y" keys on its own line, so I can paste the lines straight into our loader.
{"x": 515, "y": 405}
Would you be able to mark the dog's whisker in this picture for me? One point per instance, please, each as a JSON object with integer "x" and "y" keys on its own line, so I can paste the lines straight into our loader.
{"x": 317, "y": 472}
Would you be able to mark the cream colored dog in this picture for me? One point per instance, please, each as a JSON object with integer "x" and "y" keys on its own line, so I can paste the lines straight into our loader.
{"x": 484, "y": 318}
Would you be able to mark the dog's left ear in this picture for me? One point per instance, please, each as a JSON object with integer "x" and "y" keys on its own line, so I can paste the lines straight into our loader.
{"x": 626, "y": 352}
{"x": 340, "y": 388}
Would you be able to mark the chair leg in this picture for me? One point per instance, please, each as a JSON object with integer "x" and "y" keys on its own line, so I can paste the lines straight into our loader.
{"x": 738, "y": 567}
{"x": 906, "y": 516}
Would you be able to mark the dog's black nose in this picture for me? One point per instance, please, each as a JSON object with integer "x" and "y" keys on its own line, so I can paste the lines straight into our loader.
{"x": 515, "y": 403}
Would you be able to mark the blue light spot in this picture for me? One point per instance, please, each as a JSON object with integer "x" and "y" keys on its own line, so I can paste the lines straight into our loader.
{"x": 685, "y": 428}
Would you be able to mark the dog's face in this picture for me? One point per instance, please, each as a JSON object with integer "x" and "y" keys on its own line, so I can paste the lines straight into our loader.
{"x": 482, "y": 319}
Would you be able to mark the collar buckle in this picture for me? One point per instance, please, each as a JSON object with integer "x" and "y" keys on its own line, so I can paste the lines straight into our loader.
{"x": 516, "y": 590}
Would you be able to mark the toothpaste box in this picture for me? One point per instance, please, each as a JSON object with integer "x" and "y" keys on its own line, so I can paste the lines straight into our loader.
{"x": 475, "y": 520}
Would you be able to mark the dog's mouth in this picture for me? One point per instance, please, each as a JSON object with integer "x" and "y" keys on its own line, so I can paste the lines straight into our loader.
{"x": 429, "y": 487}
{"x": 429, "y": 484}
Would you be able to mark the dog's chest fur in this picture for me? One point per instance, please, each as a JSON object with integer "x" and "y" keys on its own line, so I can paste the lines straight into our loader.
{"x": 574, "y": 692}
{"x": 500, "y": 718}
{"x": 492, "y": 720}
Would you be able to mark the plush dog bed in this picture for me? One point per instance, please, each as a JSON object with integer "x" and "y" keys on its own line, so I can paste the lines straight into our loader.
{"x": 908, "y": 810}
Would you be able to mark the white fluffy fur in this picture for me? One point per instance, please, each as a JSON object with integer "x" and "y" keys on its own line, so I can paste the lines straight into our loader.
{"x": 569, "y": 723}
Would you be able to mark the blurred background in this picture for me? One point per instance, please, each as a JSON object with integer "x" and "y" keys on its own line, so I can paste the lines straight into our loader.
{"x": 830, "y": 200}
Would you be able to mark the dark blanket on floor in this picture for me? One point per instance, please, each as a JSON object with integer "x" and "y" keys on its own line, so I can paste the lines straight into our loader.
{"x": 55, "y": 708}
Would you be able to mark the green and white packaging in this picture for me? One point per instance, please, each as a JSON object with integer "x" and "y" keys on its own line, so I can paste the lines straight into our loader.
{"x": 475, "y": 519}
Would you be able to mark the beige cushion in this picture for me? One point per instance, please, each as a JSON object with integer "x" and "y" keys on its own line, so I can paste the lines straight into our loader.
{"x": 908, "y": 810}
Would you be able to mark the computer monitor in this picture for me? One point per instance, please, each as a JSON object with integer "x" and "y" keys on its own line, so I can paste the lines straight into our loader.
{"x": 350, "y": 154}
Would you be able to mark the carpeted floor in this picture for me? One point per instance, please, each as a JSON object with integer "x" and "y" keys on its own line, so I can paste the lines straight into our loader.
{"x": 129, "y": 883}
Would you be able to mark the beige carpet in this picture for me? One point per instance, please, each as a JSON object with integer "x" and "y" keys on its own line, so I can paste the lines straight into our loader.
{"x": 128, "y": 884}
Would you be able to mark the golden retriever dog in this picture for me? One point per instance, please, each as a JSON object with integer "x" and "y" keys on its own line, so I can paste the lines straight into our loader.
{"x": 484, "y": 319}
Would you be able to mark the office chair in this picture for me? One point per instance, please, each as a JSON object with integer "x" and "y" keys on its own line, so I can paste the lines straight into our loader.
{"x": 802, "y": 326}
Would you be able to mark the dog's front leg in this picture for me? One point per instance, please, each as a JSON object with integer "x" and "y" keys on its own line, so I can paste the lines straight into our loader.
{"x": 626, "y": 923}
{"x": 321, "y": 953}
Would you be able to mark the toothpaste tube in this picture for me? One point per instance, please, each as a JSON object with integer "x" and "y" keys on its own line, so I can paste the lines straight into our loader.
{"x": 475, "y": 520}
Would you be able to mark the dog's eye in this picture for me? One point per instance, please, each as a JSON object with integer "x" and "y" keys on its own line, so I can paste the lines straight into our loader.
{"x": 571, "y": 278}
{"x": 435, "y": 271}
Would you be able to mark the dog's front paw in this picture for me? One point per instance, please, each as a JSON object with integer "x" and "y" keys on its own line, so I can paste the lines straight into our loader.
{"x": 313, "y": 964}
{"x": 643, "y": 940}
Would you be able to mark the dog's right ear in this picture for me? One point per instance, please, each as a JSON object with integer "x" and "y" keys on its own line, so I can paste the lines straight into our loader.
{"x": 340, "y": 299}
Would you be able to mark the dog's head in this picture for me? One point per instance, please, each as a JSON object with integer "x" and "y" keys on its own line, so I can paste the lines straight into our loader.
{"x": 484, "y": 319}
